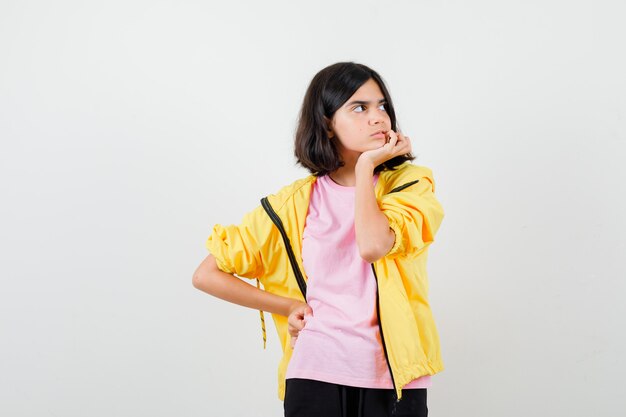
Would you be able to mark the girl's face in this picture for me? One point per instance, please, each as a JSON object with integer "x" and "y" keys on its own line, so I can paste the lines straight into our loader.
{"x": 355, "y": 122}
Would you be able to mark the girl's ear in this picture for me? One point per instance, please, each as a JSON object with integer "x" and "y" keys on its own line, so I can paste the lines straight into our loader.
{"x": 329, "y": 130}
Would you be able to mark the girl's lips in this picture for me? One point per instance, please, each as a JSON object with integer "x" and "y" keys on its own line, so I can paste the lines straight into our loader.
{"x": 379, "y": 135}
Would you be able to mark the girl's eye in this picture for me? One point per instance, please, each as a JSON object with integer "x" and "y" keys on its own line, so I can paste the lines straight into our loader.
{"x": 384, "y": 107}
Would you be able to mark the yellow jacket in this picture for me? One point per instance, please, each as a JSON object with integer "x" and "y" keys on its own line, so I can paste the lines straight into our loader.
{"x": 257, "y": 248}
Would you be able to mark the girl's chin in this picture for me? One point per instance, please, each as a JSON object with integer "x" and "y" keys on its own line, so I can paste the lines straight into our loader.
{"x": 377, "y": 143}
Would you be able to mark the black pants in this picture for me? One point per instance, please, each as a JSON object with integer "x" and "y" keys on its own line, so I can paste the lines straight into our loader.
{"x": 309, "y": 398}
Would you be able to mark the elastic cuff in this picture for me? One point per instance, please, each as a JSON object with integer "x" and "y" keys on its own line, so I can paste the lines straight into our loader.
{"x": 397, "y": 230}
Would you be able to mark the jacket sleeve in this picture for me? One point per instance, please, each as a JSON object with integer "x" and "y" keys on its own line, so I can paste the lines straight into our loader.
{"x": 414, "y": 215}
{"x": 237, "y": 248}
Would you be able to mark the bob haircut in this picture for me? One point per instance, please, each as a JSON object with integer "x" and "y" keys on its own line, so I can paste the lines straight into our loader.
{"x": 330, "y": 88}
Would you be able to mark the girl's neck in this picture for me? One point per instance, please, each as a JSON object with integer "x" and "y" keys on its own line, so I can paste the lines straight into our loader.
{"x": 345, "y": 175}
{"x": 343, "y": 178}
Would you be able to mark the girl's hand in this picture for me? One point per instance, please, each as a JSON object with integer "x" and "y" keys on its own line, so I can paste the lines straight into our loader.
{"x": 397, "y": 144}
{"x": 296, "y": 319}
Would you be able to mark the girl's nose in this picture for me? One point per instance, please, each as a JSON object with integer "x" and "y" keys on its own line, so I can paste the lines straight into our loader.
{"x": 377, "y": 119}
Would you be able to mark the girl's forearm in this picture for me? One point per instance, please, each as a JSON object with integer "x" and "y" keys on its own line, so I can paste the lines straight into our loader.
{"x": 233, "y": 289}
{"x": 373, "y": 236}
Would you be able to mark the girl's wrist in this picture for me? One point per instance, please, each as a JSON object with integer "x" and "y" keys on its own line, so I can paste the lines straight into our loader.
{"x": 364, "y": 166}
{"x": 294, "y": 305}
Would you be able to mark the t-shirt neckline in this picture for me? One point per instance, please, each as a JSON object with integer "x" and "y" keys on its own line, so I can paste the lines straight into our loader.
{"x": 344, "y": 188}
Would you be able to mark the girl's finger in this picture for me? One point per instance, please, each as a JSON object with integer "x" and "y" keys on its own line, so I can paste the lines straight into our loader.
{"x": 406, "y": 143}
{"x": 298, "y": 325}
{"x": 393, "y": 138}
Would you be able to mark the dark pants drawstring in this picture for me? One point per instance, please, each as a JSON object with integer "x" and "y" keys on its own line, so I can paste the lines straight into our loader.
{"x": 349, "y": 401}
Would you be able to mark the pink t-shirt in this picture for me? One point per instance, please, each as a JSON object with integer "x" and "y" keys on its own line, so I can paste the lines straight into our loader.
{"x": 340, "y": 342}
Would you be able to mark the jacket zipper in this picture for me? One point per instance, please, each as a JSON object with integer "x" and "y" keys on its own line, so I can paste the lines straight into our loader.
{"x": 292, "y": 258}
{"x": 382, "y": 337}
{"x": 403, "y": 186}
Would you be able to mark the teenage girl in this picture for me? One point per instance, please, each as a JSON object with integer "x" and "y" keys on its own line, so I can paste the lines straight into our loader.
{"x": 342, "y": 258}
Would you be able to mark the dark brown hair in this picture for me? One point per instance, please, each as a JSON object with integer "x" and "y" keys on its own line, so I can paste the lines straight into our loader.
{"x": 330, "y": 88}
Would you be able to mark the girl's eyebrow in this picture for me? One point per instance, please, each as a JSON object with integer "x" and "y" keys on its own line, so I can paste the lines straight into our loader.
{"x": 382, "y": 100}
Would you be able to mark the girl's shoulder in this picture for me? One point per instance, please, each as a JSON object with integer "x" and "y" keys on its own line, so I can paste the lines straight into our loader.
{"x": 301, "y": 187}
{"x": 405, "y": 173}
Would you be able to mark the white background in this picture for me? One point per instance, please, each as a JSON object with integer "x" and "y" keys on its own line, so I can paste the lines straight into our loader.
{"x": 129, "y": 128}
